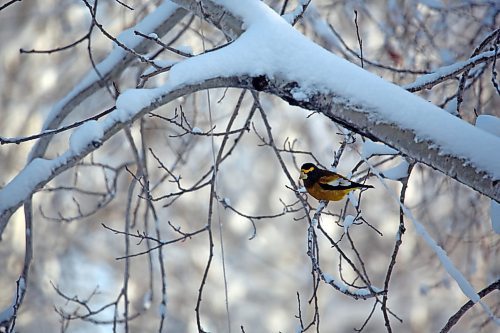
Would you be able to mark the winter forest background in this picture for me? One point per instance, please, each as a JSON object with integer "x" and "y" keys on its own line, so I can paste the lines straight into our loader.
{"x": 150, "y": 159}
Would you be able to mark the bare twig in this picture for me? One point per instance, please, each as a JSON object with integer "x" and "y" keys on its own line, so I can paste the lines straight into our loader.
{"x": 92, "y": 11}
{"x": 57, "y": 49}
{"x": 19, "y": 140}
{"x": 456, "y": 317}
{"x": 397, "y": 245}
{"x": 8, "y": 3}
{"x": 360, "y": 42}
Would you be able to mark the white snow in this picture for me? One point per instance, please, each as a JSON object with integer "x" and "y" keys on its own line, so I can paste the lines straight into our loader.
{"x": 90, "y": 133}
{"x": 370, "y": 148}
{"x": 432, "y": 3}
{"x": 23, "y": 184}
{"x": 316, "y": 69}
{"x": 38, "y": 171}
{"x": 353, "y": 198}
{"x": 489, "y": 124}
{"x": 162, "y": 63}
{"x": 446, "y": 71}
{"x": 147, "y": 25}
{"x": 398, "y": 172}
{"x": 291, "y": 16}
{"x": 196, "y": 130}
{"x": 147, "y": 300}
{"x": 459, "y": 278}
{"x": 299, "y": 94}
{"x": 462, "y": 282}
{"x": 272, "y": 47}
{"x": 165, "y": 62}
{"x": 446, "y": 262}
{"x": 342, "y": 287}
{"x": 8, "y": 312}
{"x": 362, "y": 292}
{"x": 319, "y": 209}
{"x": 339, "y": 284}
{"x": 130, "y": 102}
{"x": 348, "y": 221}
{"x": 302, "y": 190}
{"x": 226, "y": 201}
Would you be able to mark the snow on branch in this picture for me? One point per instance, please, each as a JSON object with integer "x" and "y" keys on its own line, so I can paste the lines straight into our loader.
{"x": 159, "y": 21}
{"x": 131, "y": 105}
{"x": 294, "y": 16}
{"x": 462, "y": 282}
{"x": 272, "y": 56}
{"x": 444, "y": 73}
{"x": 287, "y": 64}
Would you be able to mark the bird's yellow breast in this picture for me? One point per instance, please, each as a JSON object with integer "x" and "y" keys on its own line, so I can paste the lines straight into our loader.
{"x": 321, "y": 194}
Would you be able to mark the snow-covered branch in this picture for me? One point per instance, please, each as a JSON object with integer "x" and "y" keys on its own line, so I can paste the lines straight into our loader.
{"x": 131, "y": 106}
{"x": 215, "y": 13}
{"x": 445, "y": 73}
{"x": 192, "y": 146}
{"x": 273, "y": 57}
{"x": 286, "y": 64}
{"x": 160, "y": 21}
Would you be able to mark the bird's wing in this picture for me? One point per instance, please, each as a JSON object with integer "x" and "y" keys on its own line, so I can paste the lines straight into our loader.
{"x": 335, "y": 182}
{"x": 326, "y": 176}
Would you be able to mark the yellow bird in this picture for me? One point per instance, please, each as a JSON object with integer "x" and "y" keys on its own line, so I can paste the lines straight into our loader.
{"x": 327, "y": 185}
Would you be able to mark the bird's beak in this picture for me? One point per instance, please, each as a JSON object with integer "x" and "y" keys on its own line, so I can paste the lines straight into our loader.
{"x": 302, "y": 175}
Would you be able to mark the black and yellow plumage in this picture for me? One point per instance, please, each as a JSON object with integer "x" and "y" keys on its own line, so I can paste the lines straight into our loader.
{"x": 327, "y": 185}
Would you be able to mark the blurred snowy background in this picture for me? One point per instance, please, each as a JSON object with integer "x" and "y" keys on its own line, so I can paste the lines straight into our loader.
{"x": 75, "y": 255}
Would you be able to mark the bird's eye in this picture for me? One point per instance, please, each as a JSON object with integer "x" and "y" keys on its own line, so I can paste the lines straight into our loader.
{"x": 308, "y": 170}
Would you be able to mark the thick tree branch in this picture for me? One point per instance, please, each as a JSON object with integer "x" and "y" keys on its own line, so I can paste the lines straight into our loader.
{"x": 51, "y": 168}
{"x": 229, "y": 24}
{"x": 337, "y": 109}
{"x": 111, "y": 67}
{"x": 368, "y": 118}
{"x": 263, "y": 54}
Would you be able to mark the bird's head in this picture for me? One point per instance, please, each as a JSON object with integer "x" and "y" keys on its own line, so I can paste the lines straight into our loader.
{"x": 306, "y": 169}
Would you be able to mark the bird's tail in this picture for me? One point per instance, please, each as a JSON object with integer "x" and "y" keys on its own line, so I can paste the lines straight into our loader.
{"x": 358, "y": 185}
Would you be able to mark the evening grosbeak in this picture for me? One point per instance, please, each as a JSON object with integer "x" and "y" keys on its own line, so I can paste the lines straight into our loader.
{"x": 327, "y": 185}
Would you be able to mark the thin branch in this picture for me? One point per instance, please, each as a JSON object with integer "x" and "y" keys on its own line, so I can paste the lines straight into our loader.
{"x": 456, "y": 317}
{"x": 57, "y": 49}
{"x": 159, "y": 242}
{"x": 8, "y": 3}
{"x": 397, "y": 245}
{"x": 124, "y": 5}
{"x": 488, "y": 39}
{"x": 18, "y": 140}
{"x": 360, "y": 42}
{"x": 373, "y": 63}
{"x": 449, "y": 72}
{"x": 297, "y": 14}
{"x": 158, "y": 41}
{"x": 120, "y": 44}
